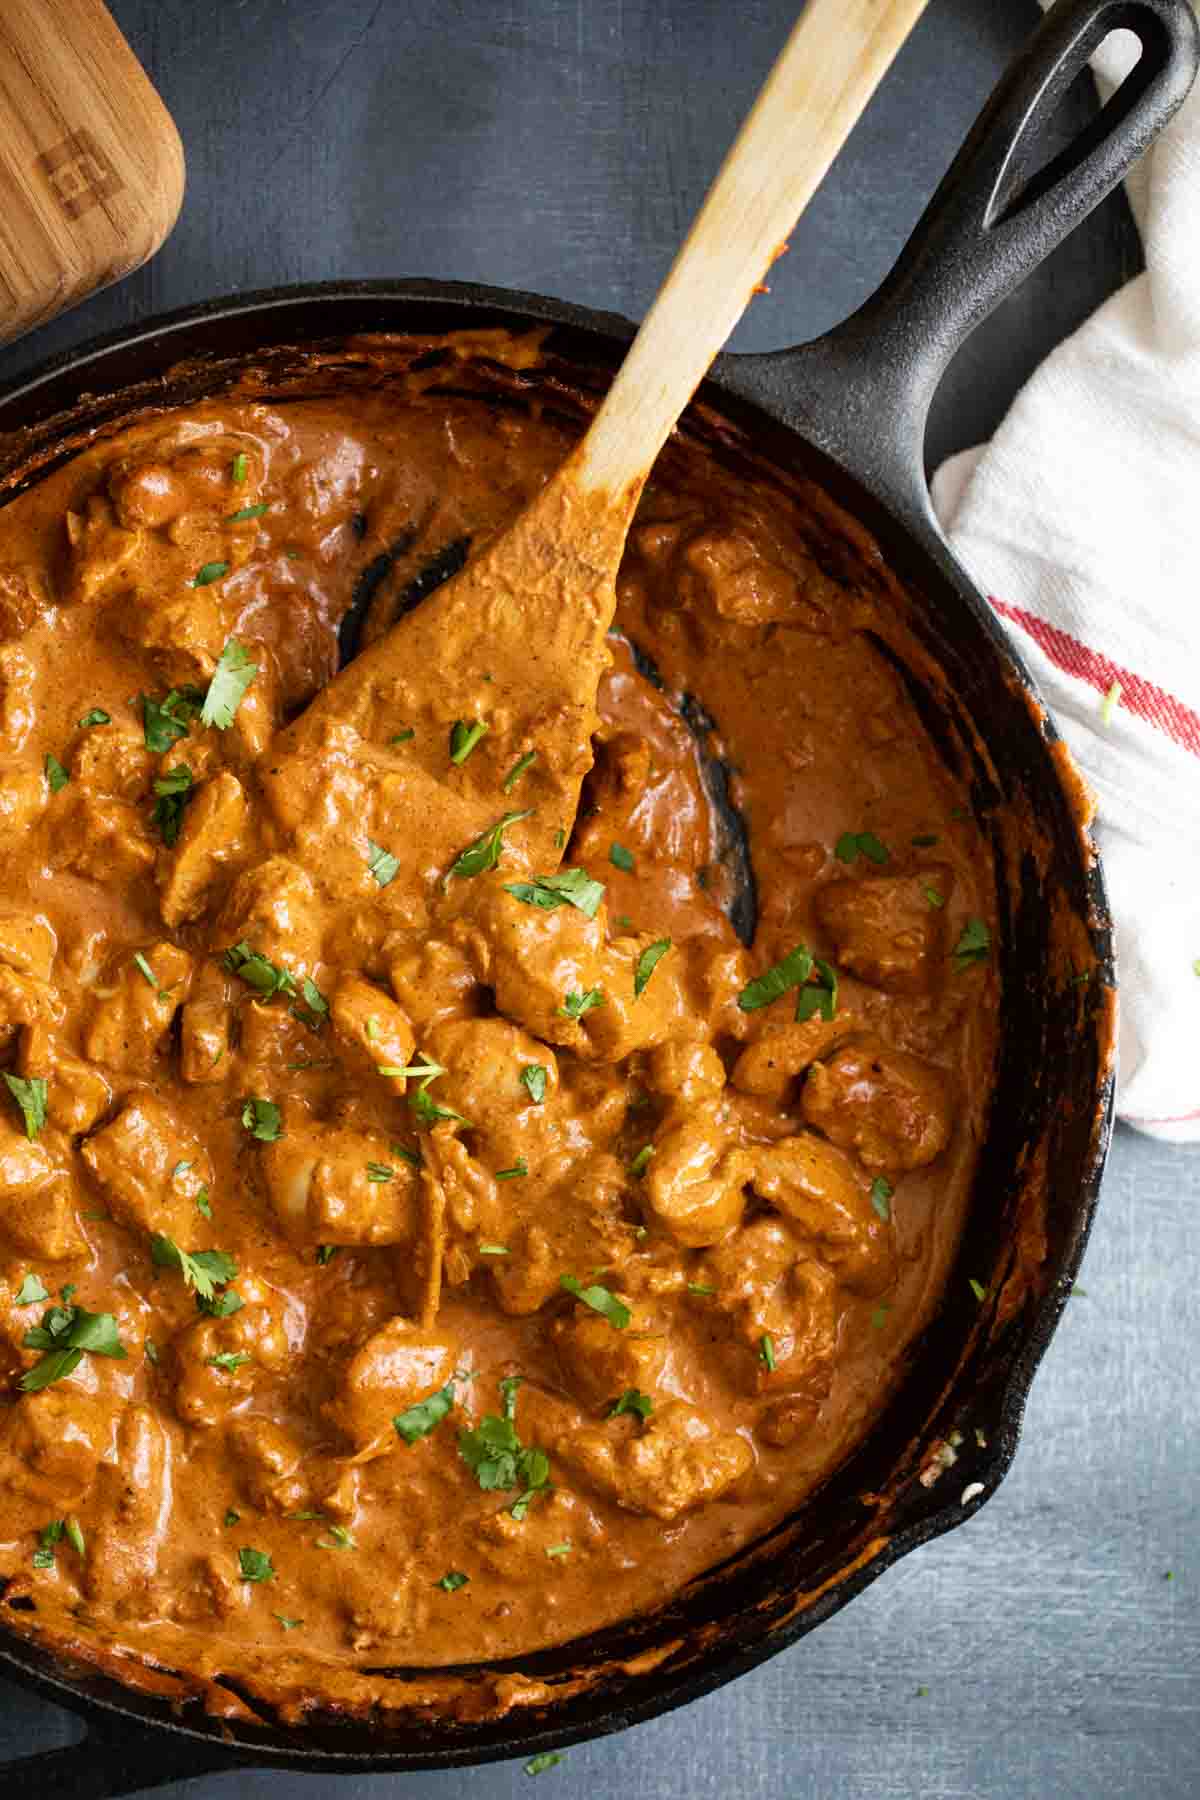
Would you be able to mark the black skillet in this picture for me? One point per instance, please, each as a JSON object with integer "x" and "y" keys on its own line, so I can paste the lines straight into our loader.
{"x": 848, "y": 411}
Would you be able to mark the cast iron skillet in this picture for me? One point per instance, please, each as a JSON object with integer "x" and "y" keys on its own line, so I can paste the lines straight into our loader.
{"x": 849, "y": 411}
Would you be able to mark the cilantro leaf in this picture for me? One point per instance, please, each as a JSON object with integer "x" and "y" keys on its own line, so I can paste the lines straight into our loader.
{"x": 56, "y": 775}
{"x": 205, "y": 575}
{"x": 973, "y": 946}
{"x": 203, "y": 1270}
{"x": 518, "y": 769}
{"x": 463, "y": 739}
{"x": 227, "y": 689}
{"x": 30, "y": 1095}
{"x": 452, "y": 1580}
{"x": 64, "y": 1334}
{"x": 381, "y": 863}
{"x": 570, "y": 887}
{"x": 881, "y": 1194}
{"x": 255, "y": 1565}
{"x": 249, "y": 512}
{"x": 165, "y": 722}
{"x": 484, "y": 853}
{"x": 533, "y": 1077}
{"x": 647, "y": 962}
{"x": 97, "y": 716}
{"x": 418, "y": 1421}
{"x": 631, "y": 1401}
{"x": 261, "y": 1119}
{"x": 599, "y": 1299}
{"x": 853, "y": 844}
{"x": 30, "y": 1292}
{"x": 793, "y": 971}
{"x": 818, "y": 998}
{"x": 575, "y": 1005}
{"x": 766, "y": 1350}
{"x": 620, "y": 858}
{"x": 257, "y": 971}
{"x": 174, "y": 790}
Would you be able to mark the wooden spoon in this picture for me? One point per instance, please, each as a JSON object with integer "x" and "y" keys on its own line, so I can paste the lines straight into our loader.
{"x": 516, "y": 642}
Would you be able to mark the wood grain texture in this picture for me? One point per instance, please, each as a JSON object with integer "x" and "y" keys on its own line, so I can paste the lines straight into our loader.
{"x": 563, "y": 146}
{"x": 91, "y": 166}
{"x": 820, "y": 85}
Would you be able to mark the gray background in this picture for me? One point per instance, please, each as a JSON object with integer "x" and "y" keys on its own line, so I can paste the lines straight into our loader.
{"x": 563, "y": 147}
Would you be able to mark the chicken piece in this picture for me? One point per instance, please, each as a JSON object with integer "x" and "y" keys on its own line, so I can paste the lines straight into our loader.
{"x": 18, "y": 700}
{"x": 687, "y": 1073}
{"x": 219, "y": 1361}
{"x": 23, "y": 599}
{"x": 183, "y": 628}
{"x": 271, "y": 1464}
{"x": 51, "y": 1443}
{"x": 599, "y": 1363}
{"x": 272, "y": 1039}
{"x": 113, "y": 760}
{"x": 131, "y": 1509}
{"x": 326, "y": 1186}
{"x": 828, "y": 1201}
{"x": 206, "y": 1027}
{"x": 887, "y": 930}
{"x": 273, "y": 908}
{"x": 695, "y": 1182}
{"x": 726, "y": 571}
{"x": 27, "y": 947}
{"x": 77, "y": 1095}
{"x": 432, "y": 980}
{"x": 578, "y": 1226}
{"x": 131, "y": 1018}
{"x": 211, "y": 1588}
{"x": 372, "y": 1029}
{"x": 151, "y": 1170}
{"x": 23, "y": 795}
{"x": 37, "y": 1197}
{"x": 395, "y": 1368}
{"x": 210, "y": 840}
{"x": 768, "y": 1067}
{"x": 150, "y": 491}
{"x": 100, "y": 550}
{"x": 517, "y": 1550}
{"x": 483, "y": 1060}
{"x": 103, "y": 839}
{"x": 677, "y": 1462}
{"x": 892, "y": 1109}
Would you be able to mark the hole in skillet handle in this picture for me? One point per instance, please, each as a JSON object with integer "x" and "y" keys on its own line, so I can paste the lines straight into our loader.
{"x": 116, "y": 1758}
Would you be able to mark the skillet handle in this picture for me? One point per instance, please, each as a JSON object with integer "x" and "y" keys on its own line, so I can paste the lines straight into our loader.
{"x": 863, "y": 392}
{"x": 112, "y": 1760}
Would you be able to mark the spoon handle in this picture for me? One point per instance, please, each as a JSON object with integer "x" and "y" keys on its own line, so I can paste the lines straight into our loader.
{"x": 820, "y": 85}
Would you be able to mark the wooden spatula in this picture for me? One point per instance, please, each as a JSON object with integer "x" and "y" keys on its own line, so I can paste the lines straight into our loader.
{"x": 515, "y": 644}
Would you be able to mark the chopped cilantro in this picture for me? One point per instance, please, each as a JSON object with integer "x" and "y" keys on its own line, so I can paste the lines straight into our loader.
{"x": 793, "y": 971}
{"x": 288, "y": 1624}
{"x": 97, "y": 716}
{"x": 631, "y": 1401}
{"x": 163, "y": 724}
{"x": 853, "y": 844}
{"x": 494, "y": 1250}
{"x": 339, "y": 1539}
{"x": 378, "y": 1172}
{"x": 419, "y": 1420}
{"x": 932, "y": 894}
{"x": 520, "y": 1167}
{"x": 237, "y": 468}
{"x": 575, "y": 1005}
{"x": 700, "y": 1287}
{"x": 452, "y": 1580}
{"x": 258, "y": 972}
{"x": 496, "y": 1456}
{"x": 646, "y": 964}
{"x": 599, "y": 1299}
{"x": 545, "y": 1759}
{"x": 48, "y": 1537}
{"x": 463, "y": 739}
{"x": 203, "y": 1270}
{"x": 56, "y": 775}
{"x": 518, "y": 769}
{"x": 558, "y": 1550}
{"x": 174, "y": 790}
{"x": 641, "y": 1161}
{"x": 818, "y": 998}
{"x": 30, "y": 1094}
{"x": 261, "y": 1119}
{"x": 533, "y": 1078}
{"x": 881, "y": 1194}
{"x": 227, "y": 689}
{"x": 570, "y": 887}
{"x": 64, "y": 1334}
{"x": 203, "y": 1203}
{"x": 255, "y": 1565}
{"x": 484, "y": 853}
{"x": 205, "y": 575}
{"x": 31, "y": 1291}
{"x": 143, "y": 968}
{"x": 973, "y": 946}
{"x": 979, "y": 1291}
{"x": 229, "y": 1360}
{"x": 766, "y": 1350}
{"x": 249, "y": 512}
{"x": 621, "y": 858}
{"x": 403, "y": 737}
{"x": 381, "y": 863}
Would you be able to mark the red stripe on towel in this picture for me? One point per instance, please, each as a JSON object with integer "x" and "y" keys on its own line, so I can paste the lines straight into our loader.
{"x": 1138, "y": 696}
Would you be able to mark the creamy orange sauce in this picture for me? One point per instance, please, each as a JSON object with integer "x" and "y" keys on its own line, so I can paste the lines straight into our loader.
{"x": 756, "y": 1278}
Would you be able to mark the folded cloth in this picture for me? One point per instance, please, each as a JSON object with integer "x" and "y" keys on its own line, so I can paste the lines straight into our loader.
{"x": 1081, "y": 520}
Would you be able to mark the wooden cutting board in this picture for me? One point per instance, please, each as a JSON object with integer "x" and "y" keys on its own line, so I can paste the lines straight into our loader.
{"x": 91, "y": 166}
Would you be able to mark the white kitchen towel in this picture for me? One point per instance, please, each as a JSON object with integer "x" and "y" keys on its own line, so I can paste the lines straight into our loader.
{"x": 1081, "y": 521}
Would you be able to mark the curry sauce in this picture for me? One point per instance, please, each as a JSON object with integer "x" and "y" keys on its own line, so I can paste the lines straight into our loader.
{"x": 436, "y": 1222}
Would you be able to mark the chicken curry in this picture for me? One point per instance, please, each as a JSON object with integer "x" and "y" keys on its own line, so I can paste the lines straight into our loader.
{"x": 444, "y": 1209}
